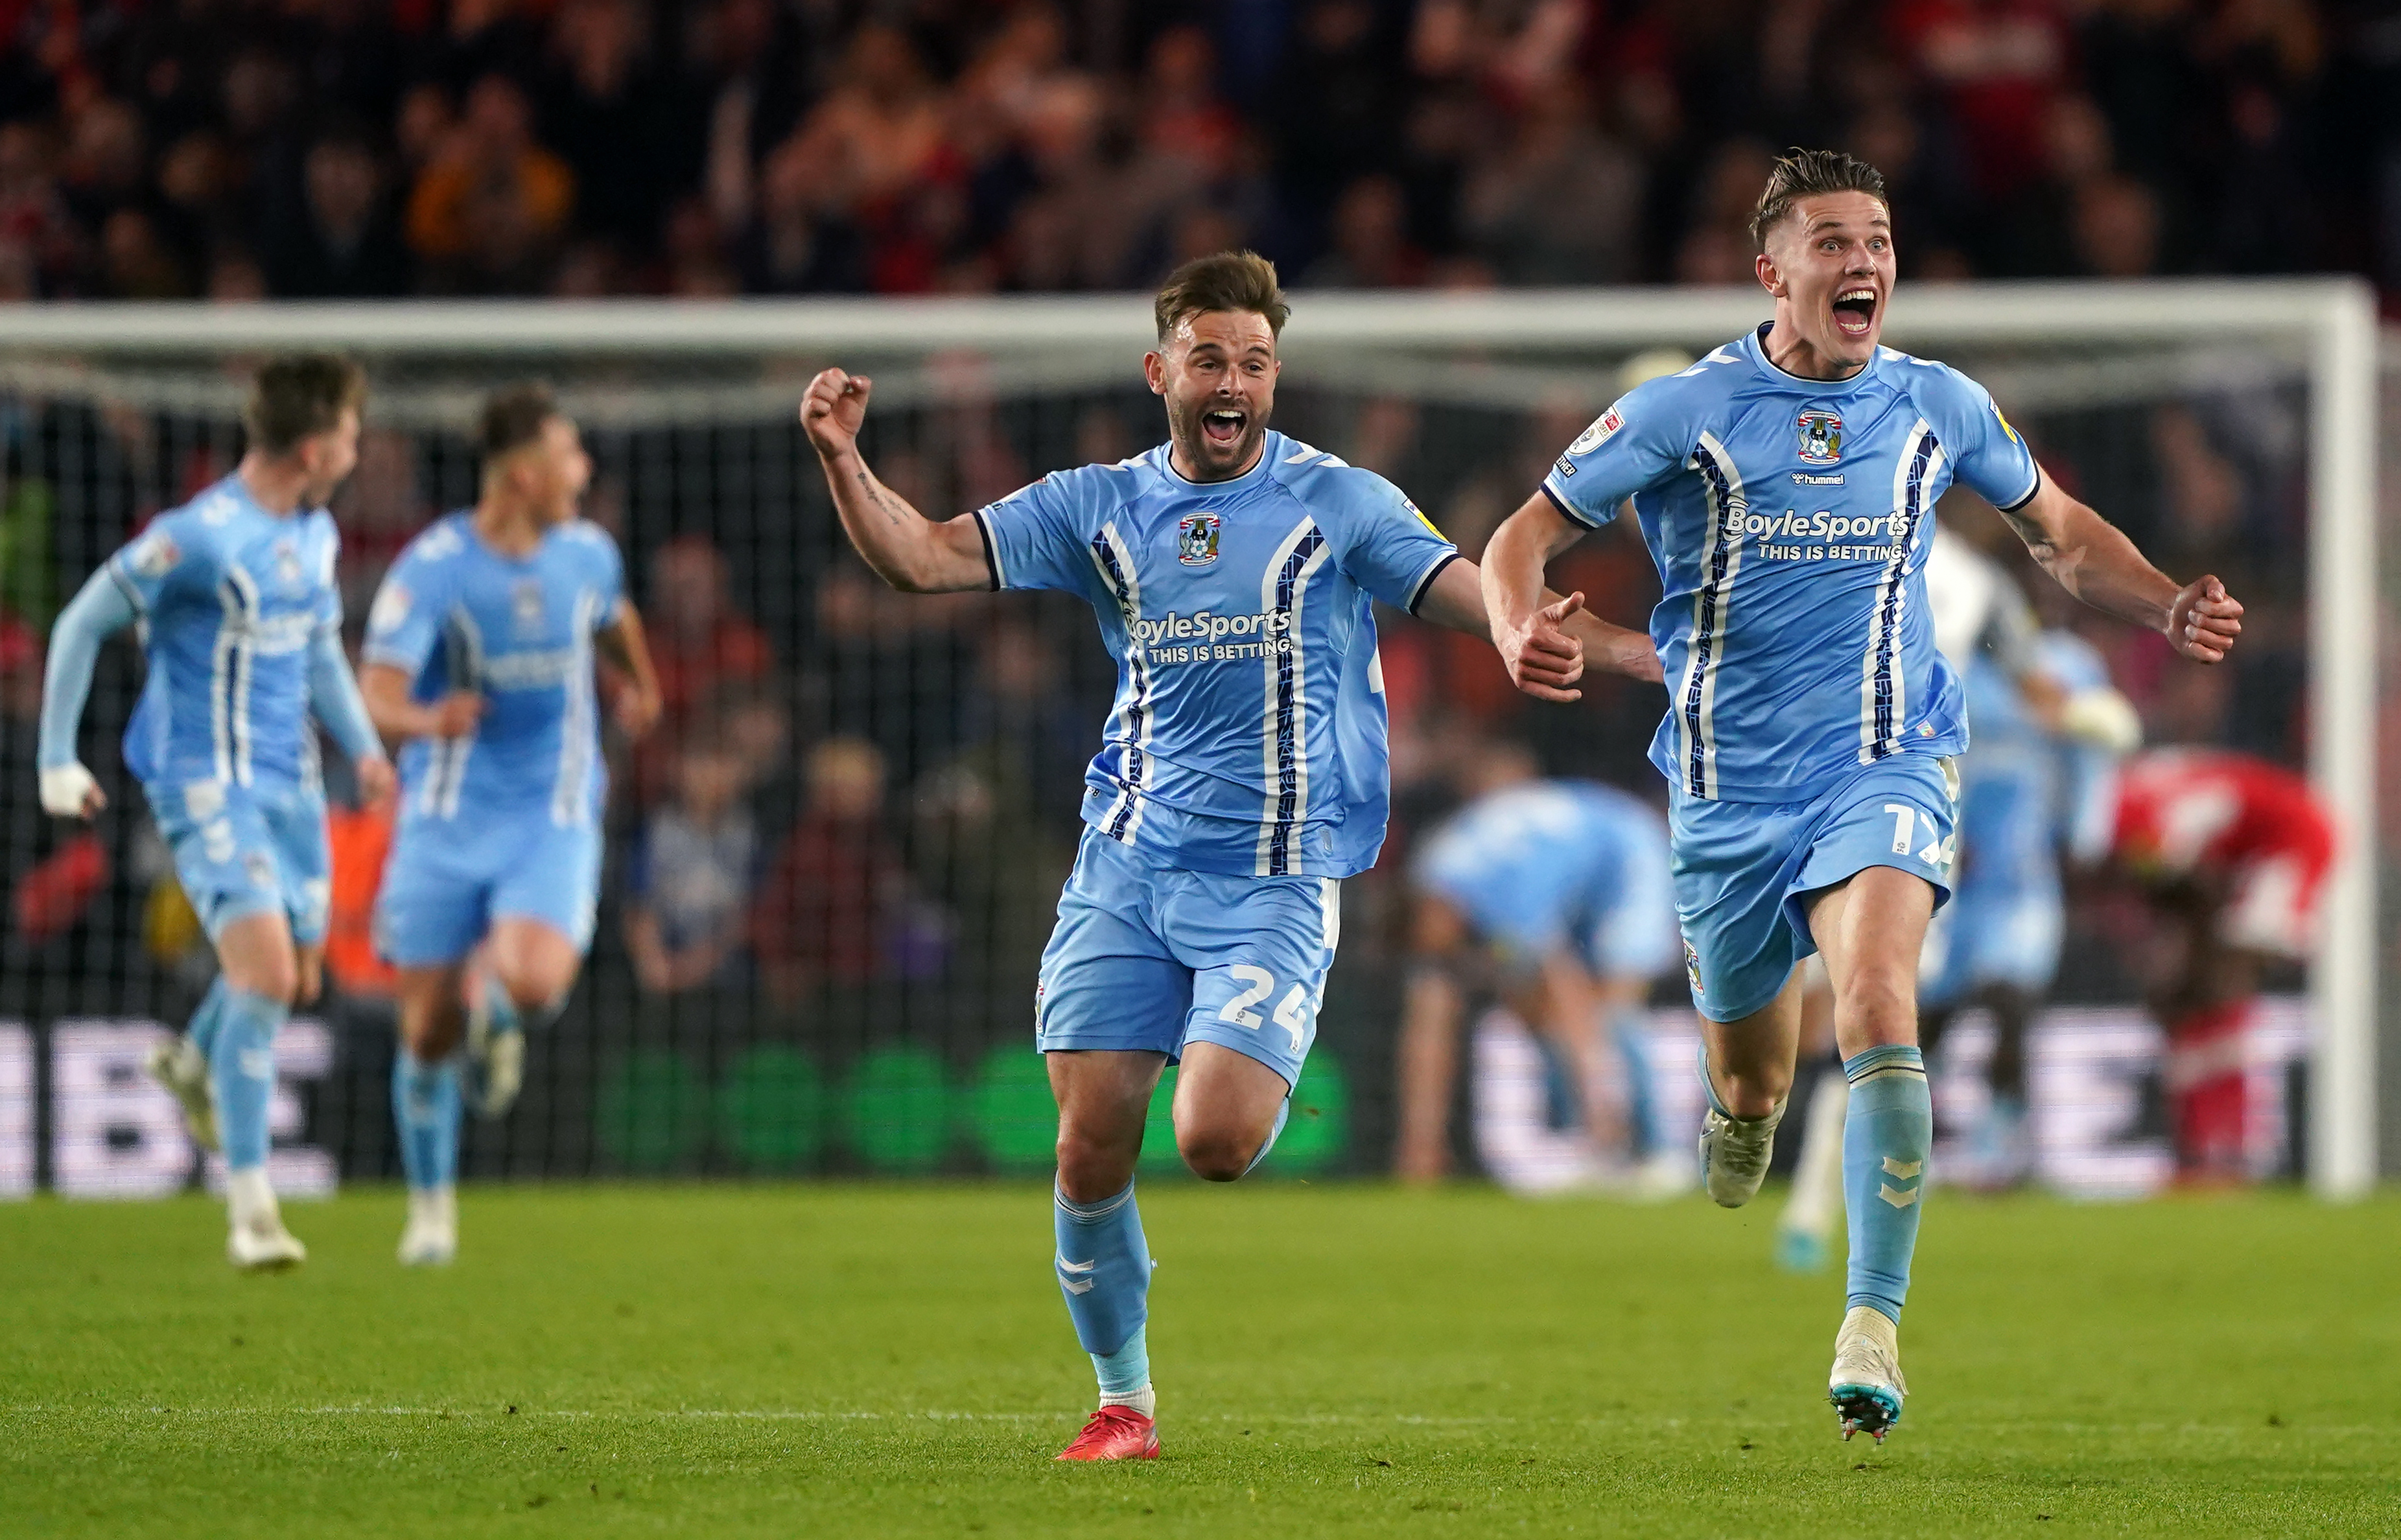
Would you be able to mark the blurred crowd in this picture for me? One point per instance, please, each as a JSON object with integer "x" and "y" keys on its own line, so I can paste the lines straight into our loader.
{"x": 318, "y": 148}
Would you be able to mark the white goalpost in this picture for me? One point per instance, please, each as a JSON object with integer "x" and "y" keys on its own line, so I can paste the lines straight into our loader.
{"x": 2038, "y": 346}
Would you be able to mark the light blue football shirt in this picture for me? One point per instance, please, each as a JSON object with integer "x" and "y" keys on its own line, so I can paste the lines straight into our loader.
{"x": 1248, "y": 735}
{"x": 1525, "y": 864}
{"x": 1790, "y": 520}
{"x": 229, "y": 598}
{"x": 456, "y": 615}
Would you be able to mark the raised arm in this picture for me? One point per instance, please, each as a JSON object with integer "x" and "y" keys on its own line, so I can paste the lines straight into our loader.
{"x": 1574, "y": 638}
{"x": 2093, "y": 560}
{"x": 626, "y": 646}
{"x": 906, "y": 549}
{"x": 96, "y": 613}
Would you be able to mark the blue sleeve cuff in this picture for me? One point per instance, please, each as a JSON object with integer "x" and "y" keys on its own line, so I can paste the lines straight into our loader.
{"x": 1566, "y": 511}
{"x": 1424, "y": 585}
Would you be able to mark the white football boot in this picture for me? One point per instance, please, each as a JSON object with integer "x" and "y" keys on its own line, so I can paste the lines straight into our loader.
{"x": 260, "y": 1244}
{"x": 1734, "y": 1153}
{"x": 179, "y": 1064}
{"x": 431, "y": 1237}
{"x": 1866, "y": 1386}
{"x": 495, "y": 1061}
{"x": 257, "y": 1241}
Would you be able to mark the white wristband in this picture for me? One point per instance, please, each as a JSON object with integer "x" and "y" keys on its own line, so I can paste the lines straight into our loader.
{"x": 66, "y": 789}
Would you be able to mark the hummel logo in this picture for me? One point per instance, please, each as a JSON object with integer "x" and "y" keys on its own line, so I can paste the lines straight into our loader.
{"x": 1902, "y": 1169}
{"x": 1885, "y": 1191}
{"x": 1074, "y": 1284}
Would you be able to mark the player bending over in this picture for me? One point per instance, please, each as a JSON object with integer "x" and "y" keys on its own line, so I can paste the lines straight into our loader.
{"x": 1555, "y": 894}
{"x": 2232, "y": 854}
{"x": 1241, "y": 773}
{"x": 242, "y": 629}
{"x": 480, "y": 651}
{"x": 1785, "y": 485}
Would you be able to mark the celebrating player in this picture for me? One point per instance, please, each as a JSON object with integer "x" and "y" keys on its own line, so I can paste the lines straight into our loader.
{"x": 241, "y": 628}
{"x": 1241, "y": 773}
{"x": 1785, "y": 485}
{"x": 480, "y": 651}
{"x": 2232, "y": 854}
{"x": 2037, "y": 787}
{"x": 1559, "y": 890}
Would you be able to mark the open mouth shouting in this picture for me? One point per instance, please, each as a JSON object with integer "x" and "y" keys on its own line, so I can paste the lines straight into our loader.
{"x": 1855, "y": 311}
{"x": 1223, "y": 425}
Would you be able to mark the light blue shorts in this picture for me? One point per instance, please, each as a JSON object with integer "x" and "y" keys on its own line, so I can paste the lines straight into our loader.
{"x": 449, "y": 880}
{"x": 1152, "y": 959}
{"x": 1743, "y": 868}
{"x": 243, "y": 850}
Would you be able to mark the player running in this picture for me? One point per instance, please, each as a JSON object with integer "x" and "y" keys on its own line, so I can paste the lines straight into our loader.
{"x": 2232, "y": 854}
{"x": 1241, "y": 773}
{"x": 1554, "y": 893}
{"x": 2036, "y": 790}
{"x": 1785, "y": 485}
{"x": 241, "y": 623}
{"x": 480, "y": 651}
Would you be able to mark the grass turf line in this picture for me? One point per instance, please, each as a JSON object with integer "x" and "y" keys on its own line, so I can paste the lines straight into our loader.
{"x": 1331, "y": 1360}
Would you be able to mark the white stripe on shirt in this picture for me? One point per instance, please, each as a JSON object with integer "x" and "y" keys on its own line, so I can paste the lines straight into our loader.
{"x": 1720, "y": 559}
{"x": 1883, "y": 678}
{"x": 1285, "y": 722}
{"x": 1136, "y": 717}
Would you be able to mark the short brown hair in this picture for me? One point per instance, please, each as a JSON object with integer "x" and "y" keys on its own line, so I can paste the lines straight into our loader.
{"x": 1811, "y": 173}
{"x": 299, "y": 396}
{"x": 513, "y": 419}
{"x": 1229, "y": 280}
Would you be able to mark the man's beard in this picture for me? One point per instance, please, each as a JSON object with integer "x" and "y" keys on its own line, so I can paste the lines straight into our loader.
{"x": 1184, "y": 427}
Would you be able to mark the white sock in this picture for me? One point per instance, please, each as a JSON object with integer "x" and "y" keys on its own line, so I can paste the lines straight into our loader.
{"x": 1817, "y": 1197}
{"x": 249, "y": 1199}
{"x": 437, "y": 1206}
{"x": 1144, "y": 1400}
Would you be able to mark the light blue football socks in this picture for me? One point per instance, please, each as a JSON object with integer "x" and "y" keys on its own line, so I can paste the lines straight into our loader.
{"x": 1125, "y": 1372}
{"x": 208, "y": 1017}
{"x": 242, "y": 1067}
{"x": 1886, "y": 1135}
{"x": 1104, "y": 1266}
{"x": 425, "y": 1109}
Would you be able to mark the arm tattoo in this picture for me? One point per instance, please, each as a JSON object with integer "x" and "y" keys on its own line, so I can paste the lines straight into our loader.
{"x": 875, "y": 495}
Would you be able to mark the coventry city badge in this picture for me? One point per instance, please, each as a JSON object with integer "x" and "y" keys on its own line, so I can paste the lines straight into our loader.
{"x": 1196, "y": 539}
{"x": 525, "y": 607}
{"x": 1821, "y": 436}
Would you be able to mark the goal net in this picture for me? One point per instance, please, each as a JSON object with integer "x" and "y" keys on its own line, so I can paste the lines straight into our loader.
{"x": 832, "y": 870}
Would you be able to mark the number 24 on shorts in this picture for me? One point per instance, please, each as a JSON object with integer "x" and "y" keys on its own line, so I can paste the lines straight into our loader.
{"x": 1289, "y": 1011}
{"x": 1937, "y": 853}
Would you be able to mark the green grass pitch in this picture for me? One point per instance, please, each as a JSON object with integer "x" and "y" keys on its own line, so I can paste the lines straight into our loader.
{"x": 1331, "y": 1360}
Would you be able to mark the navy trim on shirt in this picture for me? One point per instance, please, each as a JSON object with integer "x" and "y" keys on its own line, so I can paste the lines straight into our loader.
{"x": 1570, "y": 513}
{"x": 1425, "y": 584}
{"x": 990, "y": 561}
{"x": 2031, "y": 493}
